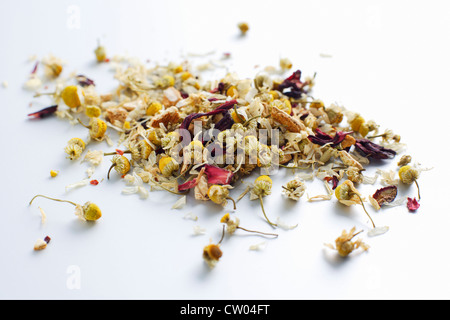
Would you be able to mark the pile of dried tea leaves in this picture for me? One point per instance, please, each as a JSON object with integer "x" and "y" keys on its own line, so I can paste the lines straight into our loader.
{"x": 176, "y": 133}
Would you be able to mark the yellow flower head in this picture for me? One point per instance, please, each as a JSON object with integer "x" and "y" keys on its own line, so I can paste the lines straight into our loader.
{"x": 262, "y": 186}
{"x": 218, "y": 194}
{"x": 75, "y": 148}
{"x": 121, "y": 164}
{"x": 91, "y": 211}
{"x": 153, "y": 108}
{"x": 97, "y": 128}
{"x": 93, "y": 111}
{"x": 141, "y": 150}
{"x": 212, "y": 254}
{"x": 70, "y": 96}
{"x": 167, "y": 166}
{"x": 408, "y": 174}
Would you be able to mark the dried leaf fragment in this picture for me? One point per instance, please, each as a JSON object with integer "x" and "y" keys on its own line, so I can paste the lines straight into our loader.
{"x": 291, "y": 123}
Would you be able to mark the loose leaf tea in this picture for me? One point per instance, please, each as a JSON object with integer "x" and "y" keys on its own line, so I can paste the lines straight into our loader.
{"x": 168, "y": 130}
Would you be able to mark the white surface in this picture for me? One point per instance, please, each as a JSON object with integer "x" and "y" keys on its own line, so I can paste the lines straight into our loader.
{"x": 389, "y": 61}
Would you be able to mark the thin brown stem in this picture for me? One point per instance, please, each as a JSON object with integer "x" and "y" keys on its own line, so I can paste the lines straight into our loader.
{"x": 40, "y": 195}
{"x": 362, "y": 203}
{"x": 223, "y": 235}
{"x": 115, "y": 153}
{"x": 234, "y": 202}
{"x": 418, "y": 190}
{"x": 110, "y": 168}
{"x": 264, "y": 233}
{"x": 262, "y": 207}
{"x": 88, "y": 127}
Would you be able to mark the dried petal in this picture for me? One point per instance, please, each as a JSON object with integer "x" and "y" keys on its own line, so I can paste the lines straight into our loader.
{"x": 218, "y": 175}
{"x": 321, "y": 138}
{"x": 373, "y": 150}
{"x": 412, "y": 204}
{"x": 386, "y": 194}
{"x": 44, "y": 112}
{"x": 292, "y": 86}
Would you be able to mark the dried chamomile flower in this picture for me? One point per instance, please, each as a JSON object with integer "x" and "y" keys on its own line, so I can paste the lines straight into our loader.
{"x": 294, "y": 189}
{"x": 41, "y": 244}
{"x": 344, "y": 244}
{"x": 285, "y": 64}
{"x": 97, "y": 128}
{"x": 233, "y": 225}
{"x": 100, "y": 53}
{"x": 121, "y": 164}
{"x": 140, "y": 150}
{"x": 261, "y": 188}
{"x": 71, "y": 96}
{"x": 404, "y": 160}
{"x": 75, "y": 148}
{"x": 243, "y": 27}
{"x": 53, "y": 66}
{"x": 408, "y": 175}
{"x": 167, "y": 166}
{"x": 347, "y": 194}
{"x": 212, "y": 252}
{"x": 354, "y": 174}
{"x": 88, "y": 212}
{"x": 153, "y": 108}
{"x": 219, "y": 194}
{"x": 93, "y": 111}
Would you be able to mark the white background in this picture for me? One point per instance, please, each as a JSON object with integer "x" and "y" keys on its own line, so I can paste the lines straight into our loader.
{"x": 387, "y": 60}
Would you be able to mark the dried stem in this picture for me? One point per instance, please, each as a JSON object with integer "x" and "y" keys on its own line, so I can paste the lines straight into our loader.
{"x": 167, "y": 189}
{"x": 234, "y": 202}
{"x": 362, "y": 203}
{"x": 264, "y": 233}
{"x": 40, "y": 195}
{"x": 115, "y": 153}
{"x": 262, "y": 207}
{"x": 223, "y": 235}
{"x": 88, "y": 127}
{"x": 110, "y": 168}
{"x": 418, "y": 190}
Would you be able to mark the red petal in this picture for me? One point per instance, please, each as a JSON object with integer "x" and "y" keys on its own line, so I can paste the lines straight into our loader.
{"x": 218, "y": 175}
{"x": 412, "y": 204}
{"x": 187, "y": 185}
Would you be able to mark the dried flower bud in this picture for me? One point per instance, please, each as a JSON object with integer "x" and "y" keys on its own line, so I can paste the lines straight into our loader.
{"x": 408, "y": 174}
{"x": 404, "y": 160}
{"x": 219, "y": 194}
{"x": 212, "y": 254}
{"x": 344, "y": 244}
{"x": 121, "y": 164}
{"x": 167, "y": 166}
{"x": 75, "y": 148}
{"x": 294, "y": 189}
{"x": 71, "y": 96}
